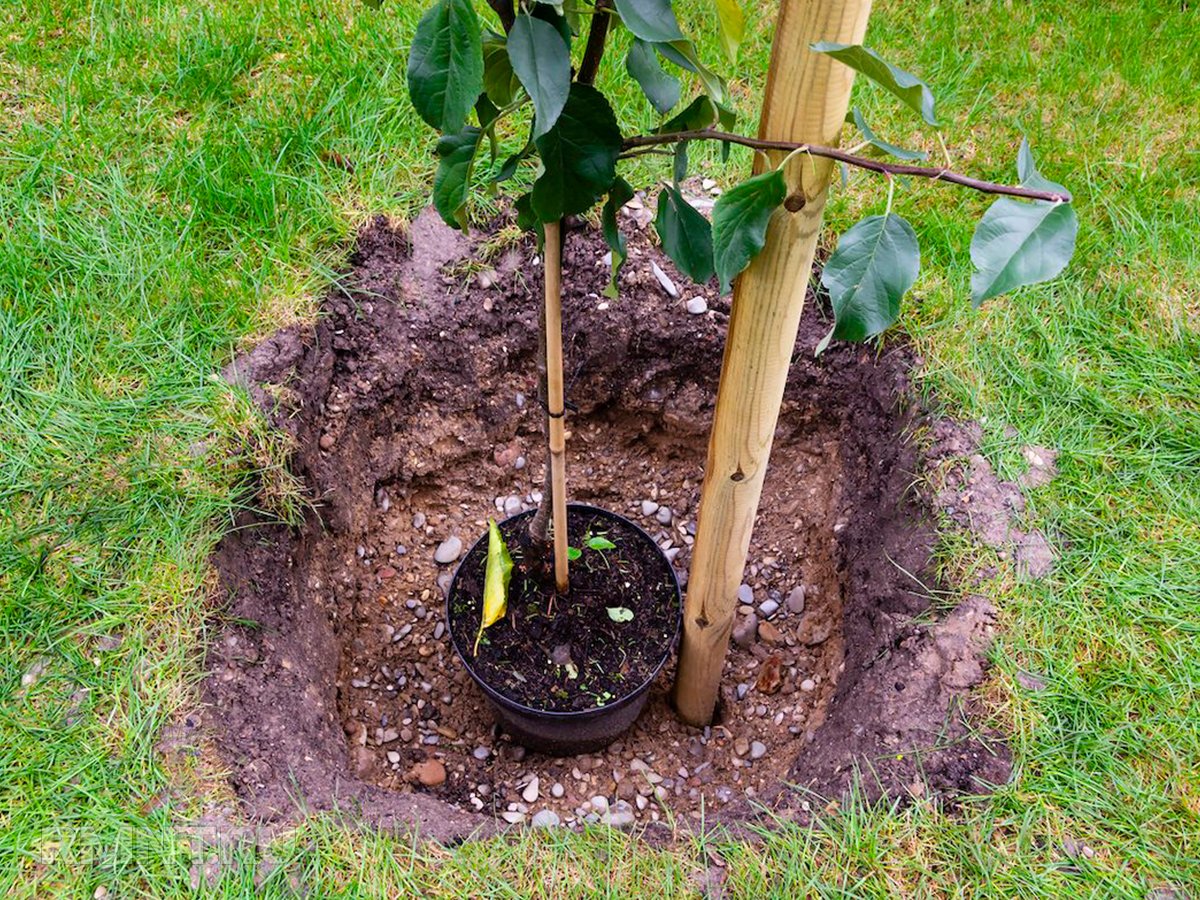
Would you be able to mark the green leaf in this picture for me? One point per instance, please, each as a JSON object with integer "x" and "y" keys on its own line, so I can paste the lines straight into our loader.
{"x": 453, "y": 177}
{"x": 661, "y": 88}
{"x": 679, "y": 169}
{"x": 1030, "y": 176}
{"x": 573, "y": 553}
{"x": 701, "y": 113}
{"x": 509, "y": 167}
{"x": 620, "y": 613}
{"x": 684, "y": 55}
{"x": 485, "y": 110}
{"x": 500, "y": 82}
{"x": 445, "y": 65}
{"x": 543, "y": 63}
{"x": 598, "y": 542}
{"x": 911, "y": 90}
{"x": 618, "y": 195}
{"x": 740, "y": 218}
{"x": 686, "y": 236}
{"x": 892, "y": 149}
{"x": 651, "y": 20}
{"x": 497, "y": 574}
{"x": 527, "y": 220}
{"x": 733, "y": 26}
{"x": 552, "y": 13}
{"x": 1018, "y": 243}
{"x": 874, "y": 265}
{"x": 579, "y": 155}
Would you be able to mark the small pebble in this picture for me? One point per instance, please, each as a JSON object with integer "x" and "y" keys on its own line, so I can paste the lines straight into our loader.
{"x": 795, "y": 600}
{"x": 745, "y": 630}
{"x": 745, "y": 595}
{"x": 697, "y": 306}
{"x": 557, "y": 790}
{"x": 481, "y": 753}
{"x": 448, "y": 550}
{"x": 530, "y": 794}
{"x": 438, "y": 630}
{"x": 545, "y": 818}
{"x": 419, "y": 520}
{"x": 808, "y": 685}
{"x": 758, "y": 750}
{"x": 664, "y": 515}
{"x": 326, "y": 442}
{"x": 649, "y": 508}
{"x": 664, "y": 281}
{"x": 768, "y": 608}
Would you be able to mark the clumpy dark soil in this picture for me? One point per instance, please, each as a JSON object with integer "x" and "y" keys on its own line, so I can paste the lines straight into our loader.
{"x": 567, "y": 653}
{"x": 412, "y": 409}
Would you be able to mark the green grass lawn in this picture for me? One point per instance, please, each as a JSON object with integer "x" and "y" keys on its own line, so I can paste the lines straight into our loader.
{"x": 177, "y": 179}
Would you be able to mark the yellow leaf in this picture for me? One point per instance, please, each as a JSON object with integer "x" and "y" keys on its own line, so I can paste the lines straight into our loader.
{"x": 495, "y": 581}
{"x": 733, "y": 26}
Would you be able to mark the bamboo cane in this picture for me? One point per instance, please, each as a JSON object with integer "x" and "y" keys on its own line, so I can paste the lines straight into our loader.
{"x": 806, "y": 99}
{"x": 554, "y": 401}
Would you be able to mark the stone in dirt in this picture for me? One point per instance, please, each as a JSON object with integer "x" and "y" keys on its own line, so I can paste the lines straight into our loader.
{"x": 448, "y": 550}
{"x": 649, "y": 508}
{"x": 430, "y": 773}
{"x": 530, "y": 794}
{"x": 769, "y": 634}
{"x": 697, "y": 306}
{"x": 745, "y": 630}
{"x": 795, "y": 600}
{"x": 664, "y": 281}
{"x": 770, "y": 677}
{"x": 813, "y": 629}
{"x": 545, "y": 818}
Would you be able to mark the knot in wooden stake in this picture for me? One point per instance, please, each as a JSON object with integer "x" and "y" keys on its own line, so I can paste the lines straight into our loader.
{"x": 794, "y": 203}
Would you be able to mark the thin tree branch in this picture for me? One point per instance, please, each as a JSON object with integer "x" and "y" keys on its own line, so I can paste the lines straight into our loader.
{"x": 862, "y": 162}
{"x": 594, "y": 51}
{"x": 506, "y": 11}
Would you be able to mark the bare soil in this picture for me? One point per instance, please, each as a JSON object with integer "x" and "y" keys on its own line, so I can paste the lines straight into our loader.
{"x": 412, "y": 408}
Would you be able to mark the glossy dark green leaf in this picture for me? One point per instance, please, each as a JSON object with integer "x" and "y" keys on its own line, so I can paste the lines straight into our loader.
{"x": 685, "y": 234}
{"x": 1020, "y": 242}
{"x": 739, "y": 227}
{"x": 500, "y": 82}
{"x": 910, "y": 89}
{"x": 579, "y": 156}
{"x": 453, "y": 177}
{"x": 701, "y": 113}
{"x": 660, "y": 87}
{"x": 891, "y": 149}
{"x": 618, "y": 195}
{"x": 874, "y": 265}
{"x": 543, "y": 63}
{"x": 445, "y": 65}
{"x": 651, "y": 20}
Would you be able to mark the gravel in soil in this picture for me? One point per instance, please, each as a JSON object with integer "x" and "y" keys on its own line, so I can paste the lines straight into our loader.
{"x": 413, "y": 415}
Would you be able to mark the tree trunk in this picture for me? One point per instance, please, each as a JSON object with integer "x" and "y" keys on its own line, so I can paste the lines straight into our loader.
{"x": 806, "y": 99}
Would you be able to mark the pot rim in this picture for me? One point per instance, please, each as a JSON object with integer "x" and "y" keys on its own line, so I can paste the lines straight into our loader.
{"x": 573, "y": 714}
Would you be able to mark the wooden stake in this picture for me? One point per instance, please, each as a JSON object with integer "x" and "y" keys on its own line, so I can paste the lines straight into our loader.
{"x": 806, "y": 99}
{"x": 554, "y": 401}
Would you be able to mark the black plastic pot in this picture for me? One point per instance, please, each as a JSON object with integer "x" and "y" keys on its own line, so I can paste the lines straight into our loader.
{"x": 580, "y": 731}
